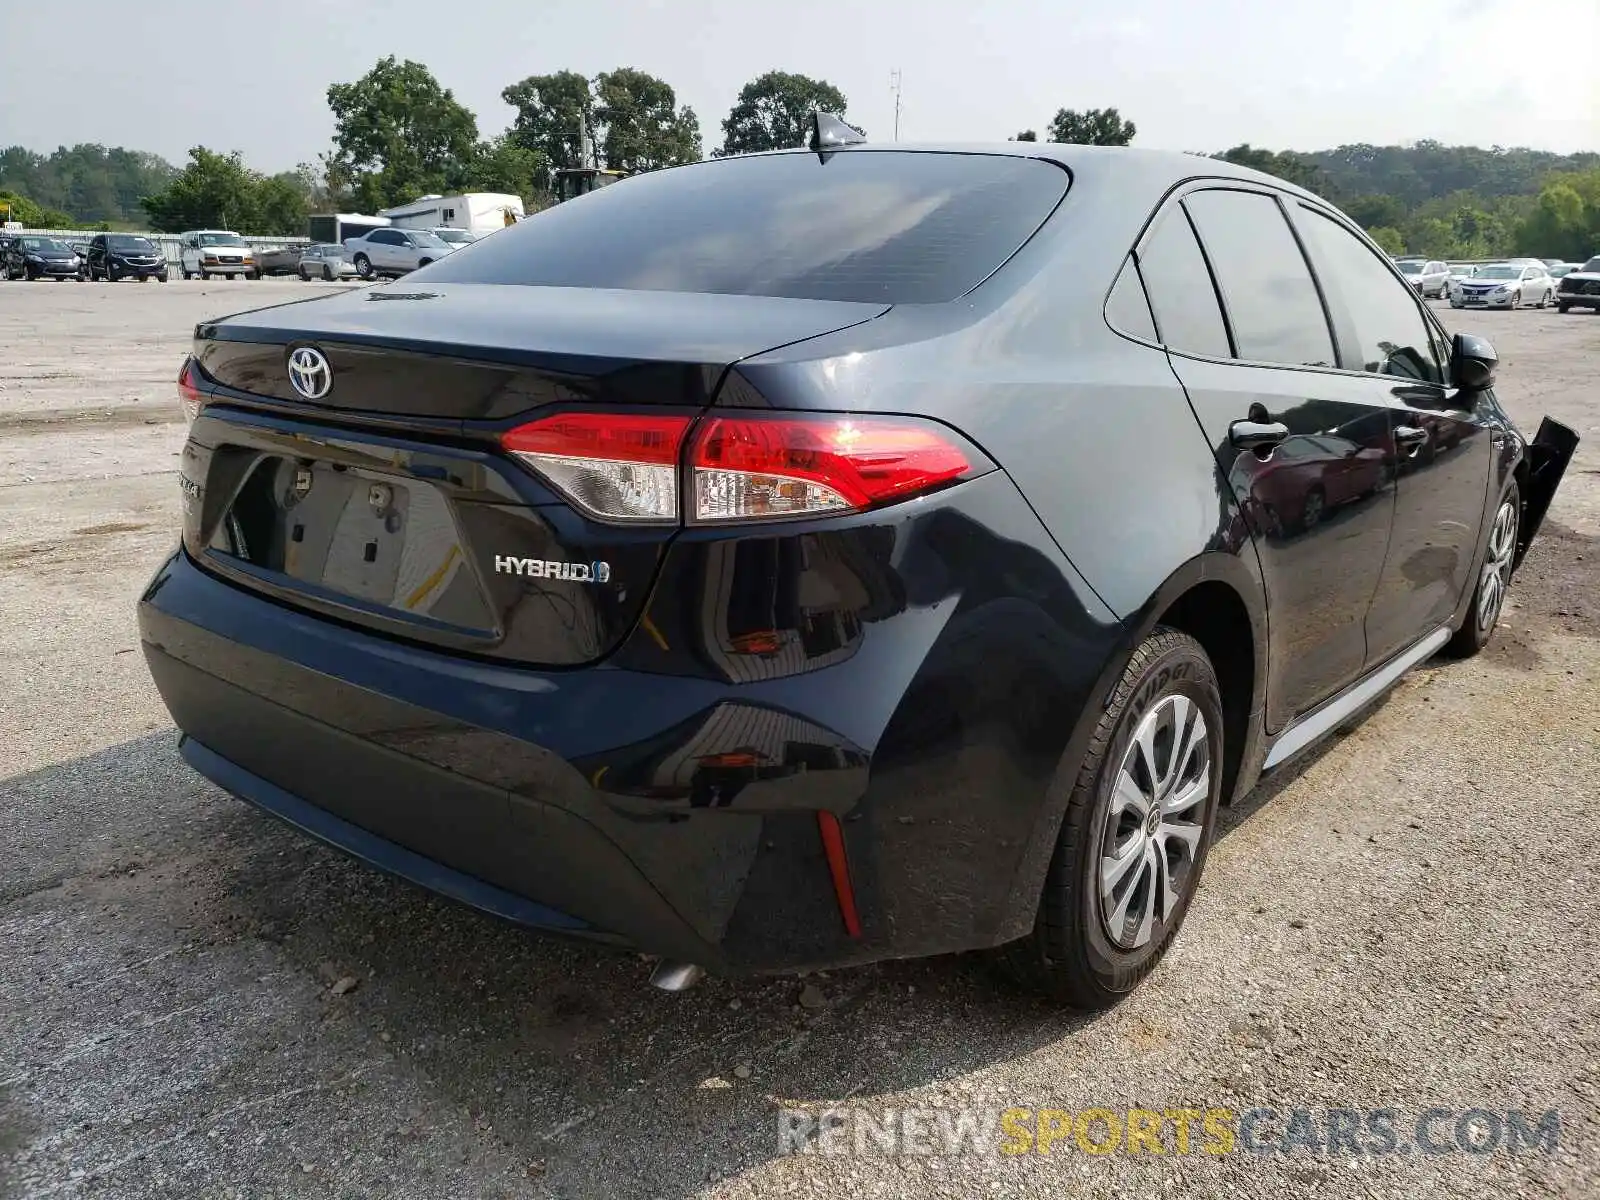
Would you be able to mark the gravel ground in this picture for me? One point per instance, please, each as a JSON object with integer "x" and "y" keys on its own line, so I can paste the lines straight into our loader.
{"x": 199, "y": 1002}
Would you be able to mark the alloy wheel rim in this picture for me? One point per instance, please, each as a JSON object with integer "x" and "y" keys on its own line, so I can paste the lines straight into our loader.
{"x": 1155, "y": 822}
{"x": 1497, "y": 565}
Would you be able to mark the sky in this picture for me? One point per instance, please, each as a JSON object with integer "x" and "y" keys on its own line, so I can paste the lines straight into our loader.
{"x": 1199, "y": 75}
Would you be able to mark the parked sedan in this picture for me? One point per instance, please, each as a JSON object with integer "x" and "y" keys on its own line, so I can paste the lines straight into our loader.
{"x": 1505, "y": 285}
{"x": 1430, "y": 277}
{"x": 325, "y": 261}
{"x": 676, "y": 581}
{"x": 394, "y": 252}
{"x": 32, "y": 257}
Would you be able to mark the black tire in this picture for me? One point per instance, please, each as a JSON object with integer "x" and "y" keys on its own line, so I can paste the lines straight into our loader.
{"x": 1476, "y": 631}
{"x": 1563, "y": 308}
{"x": 161, "y": 278}
{"x": 328, "y": 274}
{"x": 363, "y": 266}
{"x": 1311, "y": 514}
{"x": 1070, "y": 956}
{"x": 1544, "y": 300}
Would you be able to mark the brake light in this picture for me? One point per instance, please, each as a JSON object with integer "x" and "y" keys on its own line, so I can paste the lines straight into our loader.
{"x": 625, "y": 467}
{"x": 619, "y": 467}
{"x": 749, "y": 467}
{"x": 189, "y": 393}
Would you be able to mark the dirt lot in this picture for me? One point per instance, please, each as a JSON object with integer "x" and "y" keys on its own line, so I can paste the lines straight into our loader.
{"x": 1407, "y": 922}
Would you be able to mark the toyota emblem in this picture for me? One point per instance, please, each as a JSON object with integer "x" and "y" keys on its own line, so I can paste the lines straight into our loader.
{"x": 310, "y": 373}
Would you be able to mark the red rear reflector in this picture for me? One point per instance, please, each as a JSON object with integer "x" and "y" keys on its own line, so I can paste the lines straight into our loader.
{"x": 839, "y": 870}
{"x": 619, "y": 467}
{"x": 746, "y": 468}
{"x": 189, "y": 394}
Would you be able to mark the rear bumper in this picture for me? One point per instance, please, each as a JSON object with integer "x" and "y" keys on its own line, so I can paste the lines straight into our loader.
{"x": 667, "y": 800}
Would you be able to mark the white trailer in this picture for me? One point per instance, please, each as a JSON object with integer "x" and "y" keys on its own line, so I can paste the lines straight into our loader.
{"x": 479, "y": 213}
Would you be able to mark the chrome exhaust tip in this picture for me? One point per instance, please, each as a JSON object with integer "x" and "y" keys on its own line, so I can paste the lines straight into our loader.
{"x": 672, "y": 976}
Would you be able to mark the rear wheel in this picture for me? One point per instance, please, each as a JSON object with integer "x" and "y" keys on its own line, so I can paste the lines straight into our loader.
{"x": 1494, "y": 578}
{"x": 363, "y": 266}
{"x": 329, "y": 274}
{"x": 1546, "y": 299}
{"x": 1136, "y": 831}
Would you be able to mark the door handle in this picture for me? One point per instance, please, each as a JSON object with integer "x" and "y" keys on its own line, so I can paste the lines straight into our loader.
{"x": 1410, "y": 435}
{"x": 1257, "y": 435}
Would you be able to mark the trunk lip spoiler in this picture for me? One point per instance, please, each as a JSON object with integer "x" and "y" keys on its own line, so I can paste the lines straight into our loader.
{"x": 1547, "y": 457}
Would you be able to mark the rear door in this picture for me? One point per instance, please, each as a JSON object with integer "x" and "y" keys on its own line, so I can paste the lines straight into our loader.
{"x": 1444, "y": 443}
{"x": 1320, "y": 509}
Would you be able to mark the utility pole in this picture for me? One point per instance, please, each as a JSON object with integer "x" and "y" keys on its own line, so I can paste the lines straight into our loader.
{"x": 894, "y": 82}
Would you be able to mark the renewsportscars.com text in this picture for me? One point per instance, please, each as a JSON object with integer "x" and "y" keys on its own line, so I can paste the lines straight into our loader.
{"x": 1178, "y": 1131}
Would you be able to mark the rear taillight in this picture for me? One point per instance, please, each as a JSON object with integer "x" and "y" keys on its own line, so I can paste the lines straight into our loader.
{"x": 747, "y": 467}
{"x": 619, "y": 467}
{"x": 189, "y": 393}
{"x": 625, "y": 467}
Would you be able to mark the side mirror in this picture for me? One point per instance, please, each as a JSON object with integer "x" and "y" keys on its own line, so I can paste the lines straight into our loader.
{"x": 1473, "y": 362}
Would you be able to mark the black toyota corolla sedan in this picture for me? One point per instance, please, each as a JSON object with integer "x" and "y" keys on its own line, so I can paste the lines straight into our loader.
{"x": 803, "y": 559}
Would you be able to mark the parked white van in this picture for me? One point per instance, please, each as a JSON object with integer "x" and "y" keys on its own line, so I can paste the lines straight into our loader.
{"x": 208, "y": 252}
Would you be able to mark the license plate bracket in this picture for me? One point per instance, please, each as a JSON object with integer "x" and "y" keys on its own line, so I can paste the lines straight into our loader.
{"x": 348, "y": 532}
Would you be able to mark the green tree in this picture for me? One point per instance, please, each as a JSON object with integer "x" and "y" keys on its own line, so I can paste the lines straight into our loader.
{"x": 1565, "y": 220}
{"x": 552, "y": 110}
{"x": 1373, "y": 212}
{"x": 1285, "y": 165}
{"x": 17, "y": 207}
{"x": 283, "y": 202}
{"x": 504, "y": 165}
{"x": 1027, "y": 135}
{"x": 213, "y": 191}
{"x": 1388, "y": 239}
{"x": 92, "y": 182}
{"x": 773, "y": 112}
{"x": 1094, "y": 127}
{"x": 644, "y": 129}
{"x": 398, "y": 135}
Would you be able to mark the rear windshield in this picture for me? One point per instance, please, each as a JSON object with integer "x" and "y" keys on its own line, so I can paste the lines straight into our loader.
{"x": 873, "y": 226}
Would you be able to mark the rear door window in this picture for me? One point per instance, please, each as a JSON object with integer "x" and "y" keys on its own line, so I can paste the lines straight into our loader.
{"x": 1267, "y": 291}
{"x": 1127, "y": 309}
{"x": 878, "y": 226}
{"x": 1179, "y": 286}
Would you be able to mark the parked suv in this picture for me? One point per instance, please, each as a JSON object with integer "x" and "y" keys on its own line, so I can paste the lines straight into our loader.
{"x": 1430, "y": 277}
{"x": 1580, "y": 288}
{"x": 395, "y": 251}
{"x": 114, "y": 256}
{"x": 773, "y": 602}
{"x": 216, "y": 252}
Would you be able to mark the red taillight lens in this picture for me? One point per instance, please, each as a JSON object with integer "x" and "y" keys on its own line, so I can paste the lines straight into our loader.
{"x": 746, "y": 468}
{"x": 619, "y": 467}
{"x": 189, "y": 393}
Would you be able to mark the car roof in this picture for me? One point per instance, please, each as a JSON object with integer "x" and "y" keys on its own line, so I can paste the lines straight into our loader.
{"x": 1098, "y": 163}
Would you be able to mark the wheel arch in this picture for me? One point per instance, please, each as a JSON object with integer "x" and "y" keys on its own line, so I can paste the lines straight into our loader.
{"x": 1218, "y": 599}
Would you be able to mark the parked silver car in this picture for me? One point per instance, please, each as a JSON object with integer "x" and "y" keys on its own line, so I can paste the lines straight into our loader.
{"x": 395, "y": 251}
{"x": 325, "y": 260}
{"x": 1505, "y": 285}
{"x": 1429, "y": 276}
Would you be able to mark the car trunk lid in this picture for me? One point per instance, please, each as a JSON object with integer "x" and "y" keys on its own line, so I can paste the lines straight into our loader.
{"x": 389, "y": 503}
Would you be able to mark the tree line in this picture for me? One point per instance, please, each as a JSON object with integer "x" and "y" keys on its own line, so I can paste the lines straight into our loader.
{"x": 399, "y": 134}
